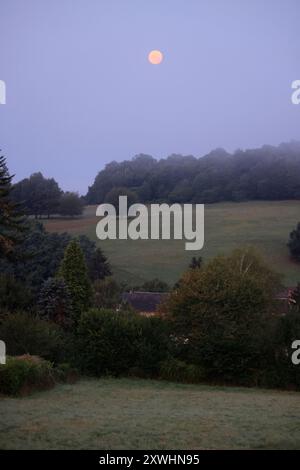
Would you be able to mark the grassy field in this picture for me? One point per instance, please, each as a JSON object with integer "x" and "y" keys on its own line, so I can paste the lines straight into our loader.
{"x": 265, "y": 225}
{"x": 140, "y": 414}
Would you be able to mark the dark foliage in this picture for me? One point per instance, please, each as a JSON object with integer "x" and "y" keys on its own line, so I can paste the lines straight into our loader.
{"x": 294, "y": 243}
{"x": 267, "y": 173}
{"x": 23, "y": 374}
{"x": 114, "y": 343}
{"x": 38, "y": 195}
{"x": 39, "y": 256}
{"x": 27, "y": 334}
{"x": 70, "y": 204}
{"x": 11, "y": 219}
{"x": 155, "y": 285}
{"x": 14, "y": 294}
{"x": 55, "y": 303}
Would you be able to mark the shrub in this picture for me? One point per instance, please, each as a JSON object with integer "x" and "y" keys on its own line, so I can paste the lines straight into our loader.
{"x": 27, "y": 334}
{"x": 22, "y": 374}
{"x": 66, "y": 373}
{"x": 110, "y": 342}
{"x": 106, "y": 342}
{"x": 279, "y": 370}
{"x": 152, "y": 344}
{"x": 107, "y": 293}
{"x": 294, "y": 243}
{"x": 179, "y": 371}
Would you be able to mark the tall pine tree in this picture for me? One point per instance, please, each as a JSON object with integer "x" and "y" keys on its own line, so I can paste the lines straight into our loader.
{"x": 73, "y": 271}
{"x": 11, "y": 220}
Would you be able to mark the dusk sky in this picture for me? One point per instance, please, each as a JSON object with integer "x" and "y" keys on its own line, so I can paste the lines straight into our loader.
{"x": 81, "y": 92}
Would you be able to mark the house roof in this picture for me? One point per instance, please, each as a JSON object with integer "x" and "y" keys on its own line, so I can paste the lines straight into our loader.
{"x": 144, "y": 301}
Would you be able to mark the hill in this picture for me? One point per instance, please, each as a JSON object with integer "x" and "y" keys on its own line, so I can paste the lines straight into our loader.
{"x": 265, "y": 225}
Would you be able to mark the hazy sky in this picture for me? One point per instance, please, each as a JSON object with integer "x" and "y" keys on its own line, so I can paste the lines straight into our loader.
{"x": 80, "y": 91}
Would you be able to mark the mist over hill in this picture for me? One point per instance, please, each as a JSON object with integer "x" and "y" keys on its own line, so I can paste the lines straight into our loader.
{"x": 266, "y": 173}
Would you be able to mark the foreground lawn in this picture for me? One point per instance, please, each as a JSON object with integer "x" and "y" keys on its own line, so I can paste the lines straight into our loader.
{"x": 140, "y": 414}
{"x": 263, "y": 224}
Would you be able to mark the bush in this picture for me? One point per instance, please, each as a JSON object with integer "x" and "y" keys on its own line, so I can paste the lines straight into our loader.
{"x": 220, "y": 315}
{"x": 66, "y": 373}
{"x": 107, "y": 293}
{"x": 294, "y": 243}
{"x": 27, "y": 334}
{"x": 20, "y": 375}
{"x": 152, "y": 344}
{"x": 114, "y": 343}
{"x": 279, "y": 370}
{"x": 106, "y": 342}
{"x": 179, "y": 371}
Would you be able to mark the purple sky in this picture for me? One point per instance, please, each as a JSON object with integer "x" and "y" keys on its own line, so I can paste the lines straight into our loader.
{"x": 80, "y": 91}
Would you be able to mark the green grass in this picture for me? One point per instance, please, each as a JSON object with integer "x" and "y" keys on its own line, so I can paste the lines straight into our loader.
{"x": 141, "y": 414}
{"x": 265, "y": 225}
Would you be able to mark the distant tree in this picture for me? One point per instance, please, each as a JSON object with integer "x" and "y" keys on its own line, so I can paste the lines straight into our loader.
{"x": 54, "y": 302}
{"x": 270, "y": 173}
{"x": 155, "y": 285}
{"x": 39, "y": 195}
{"x": 11, "y": 220}
{"x": 145, "y": 192}
{"x": 196, "y": 262}
{"x": 73, "y": 271}
{"x": 112, "y": 197}
{"x": 70, "y": 204}
{"x": 294, "y": 243}
{"x": 183, "y": 192}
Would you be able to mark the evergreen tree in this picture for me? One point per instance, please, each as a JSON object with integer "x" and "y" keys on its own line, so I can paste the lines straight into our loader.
{"x": 73, "y": 271}
{"x": 11, "y": 220}
{"x": 55, "y": 302}
{"x": 98, "y": 266}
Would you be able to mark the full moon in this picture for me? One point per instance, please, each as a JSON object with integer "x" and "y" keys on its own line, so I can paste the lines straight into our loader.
{"x": 155, "y": 57}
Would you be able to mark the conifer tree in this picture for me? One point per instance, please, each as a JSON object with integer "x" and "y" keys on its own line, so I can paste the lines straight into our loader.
{"x": 73, "y": 271}
{"x": 11, "y": 220}
{"x": 99, "y": 266}
{"x": 54, "y": 302}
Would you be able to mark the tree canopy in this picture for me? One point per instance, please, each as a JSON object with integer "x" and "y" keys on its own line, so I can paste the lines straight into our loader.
{"x": 266, "y": 173}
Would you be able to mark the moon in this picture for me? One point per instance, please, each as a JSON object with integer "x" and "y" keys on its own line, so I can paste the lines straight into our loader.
{"x": 155, "y": 57}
